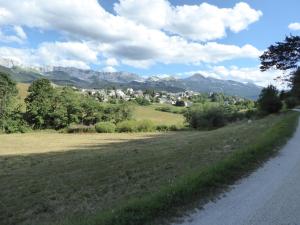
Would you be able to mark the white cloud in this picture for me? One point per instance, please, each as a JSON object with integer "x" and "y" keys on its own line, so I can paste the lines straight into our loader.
{"x": 151, "y": 13}
{"x": 197, "y": 22}
{"x": 242, "y": 74}
{"x": 141, "y": 41}
{"x": 109, "y": 69}
{"x": 111, "y": 62}
{"x": 18, "y": 35}
{"x": 20, "y": 32}
{"x": 294, "y": 26}
{"x": 69, "y": 54}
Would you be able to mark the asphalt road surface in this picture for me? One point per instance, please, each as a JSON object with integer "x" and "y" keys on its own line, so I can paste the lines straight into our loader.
{"x": 269, "y": 196}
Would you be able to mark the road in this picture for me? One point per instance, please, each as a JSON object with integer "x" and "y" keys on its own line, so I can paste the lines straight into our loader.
{"x": 269, "y": 196}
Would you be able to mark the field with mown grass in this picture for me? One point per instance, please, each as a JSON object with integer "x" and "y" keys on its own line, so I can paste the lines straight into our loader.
{"x": 52, "y": 178}
{"x": 158, "y": 117}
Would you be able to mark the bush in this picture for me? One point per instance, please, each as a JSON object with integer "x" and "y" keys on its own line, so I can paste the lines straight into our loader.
{"x": 162, "y": 127}
{"x": 105, "y": 127}
{"x": 146, "y": 126}
{"x": 142, "y": 101}
{"x": 291, "y": 102}
{"x": 74, "y": 128}
{"x": 136, "y": 126}
{"x": 206, "y": 117}
{"x": 127, "y": 126}
{"x": 174, "y": 127}
{"x": 16, "y": 126}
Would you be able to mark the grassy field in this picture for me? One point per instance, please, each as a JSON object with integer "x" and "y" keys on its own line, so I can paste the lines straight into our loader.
{"x": 46, "y": 178}
{"x": 158, "y": 117}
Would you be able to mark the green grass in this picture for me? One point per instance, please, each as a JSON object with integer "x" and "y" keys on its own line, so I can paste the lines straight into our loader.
{"x": 158, "y": 117}
{"x": 51, "y": 178}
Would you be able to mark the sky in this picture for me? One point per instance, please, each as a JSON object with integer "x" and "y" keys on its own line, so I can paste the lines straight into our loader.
{"x": 217, "y": 38}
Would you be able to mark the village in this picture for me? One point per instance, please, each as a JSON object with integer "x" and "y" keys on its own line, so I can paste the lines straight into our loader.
{"x": 129, "y": 94}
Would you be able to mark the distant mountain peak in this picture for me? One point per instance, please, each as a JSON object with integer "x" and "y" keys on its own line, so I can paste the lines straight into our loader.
{"x": 94, "y": 79}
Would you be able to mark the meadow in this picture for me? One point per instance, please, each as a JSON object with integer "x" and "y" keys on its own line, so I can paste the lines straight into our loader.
{"x": 47, "y": 177}
{"x": 158, "y": 117}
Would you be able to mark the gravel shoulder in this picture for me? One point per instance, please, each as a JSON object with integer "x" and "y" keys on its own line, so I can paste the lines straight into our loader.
{"x": 269, "y": 196}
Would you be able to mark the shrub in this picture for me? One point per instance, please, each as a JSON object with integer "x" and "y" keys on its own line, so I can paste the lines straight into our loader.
{"x": 16, "y": 125}
{"x": 136, "y": 126}
{"x": 251, "y": 113}
{"x": 142, "y": 101}
{"x": 74, "y": 128}
{"x": 291, "y": 102}
{"x": 127, "y": 126}
{"x": 105, "y": 127}
{"x": 145, "y": 126}
{"x": 206, "y": 117}
{"x": 175, "y": 127}
{"x": 162, "y": 127}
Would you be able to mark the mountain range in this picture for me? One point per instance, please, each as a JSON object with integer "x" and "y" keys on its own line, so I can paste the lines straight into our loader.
{"x": 94, "y": 79}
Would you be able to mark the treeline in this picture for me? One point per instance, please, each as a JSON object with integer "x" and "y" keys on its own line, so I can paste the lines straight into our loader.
{"x": 210, "y": 116}
{"x": 48, "y": 107}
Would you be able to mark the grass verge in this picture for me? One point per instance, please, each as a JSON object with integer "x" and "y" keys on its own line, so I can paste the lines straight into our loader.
{"x": 196, "y": 185}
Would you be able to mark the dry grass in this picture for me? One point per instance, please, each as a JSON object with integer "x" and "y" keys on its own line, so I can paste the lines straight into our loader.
{"x": 48, "y": 177}
{"x": 23, "y": 92}
{"x": 44, "y": 142}
{"x": 158, "y": 117}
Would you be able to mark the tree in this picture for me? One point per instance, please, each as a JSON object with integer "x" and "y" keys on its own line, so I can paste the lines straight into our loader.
{"x": 269, "y": 101}
{"x": 8, "y": 91}
{"x": 40, "y": 104}
{"x": 296, "y": 84}
{"x": 283, "y": 55}
{"x": 11, "y": 117}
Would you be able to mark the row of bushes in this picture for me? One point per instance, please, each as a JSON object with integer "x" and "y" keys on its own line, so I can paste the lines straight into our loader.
{"x": 128, "y": 126}
{"x": 208, "y": 117}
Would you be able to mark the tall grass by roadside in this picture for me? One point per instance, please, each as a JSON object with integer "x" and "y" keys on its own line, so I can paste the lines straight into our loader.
{"x": 200, "y": 183}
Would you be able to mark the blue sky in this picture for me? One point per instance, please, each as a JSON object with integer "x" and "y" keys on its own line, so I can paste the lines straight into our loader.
{"x": 217, "y": 38}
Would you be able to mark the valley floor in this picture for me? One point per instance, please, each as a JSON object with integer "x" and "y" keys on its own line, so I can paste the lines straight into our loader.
{"x": 49, "y": 177}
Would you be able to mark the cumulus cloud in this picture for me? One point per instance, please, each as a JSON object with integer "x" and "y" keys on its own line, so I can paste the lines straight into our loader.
{"x": 201, "y": 22}
{"x": 151, "y": 13}
{"x": 138, "y": 39}
{"x": 69, "y": 54}
{"x": 294, "y": 26}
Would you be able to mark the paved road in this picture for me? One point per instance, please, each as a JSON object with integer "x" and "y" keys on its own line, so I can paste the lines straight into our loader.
{"x": 270, "y": 196}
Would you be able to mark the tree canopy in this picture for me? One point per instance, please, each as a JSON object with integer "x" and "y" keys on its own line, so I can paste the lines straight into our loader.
{"x": 283, "y": 55}
{"x": 269, "y": 100}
